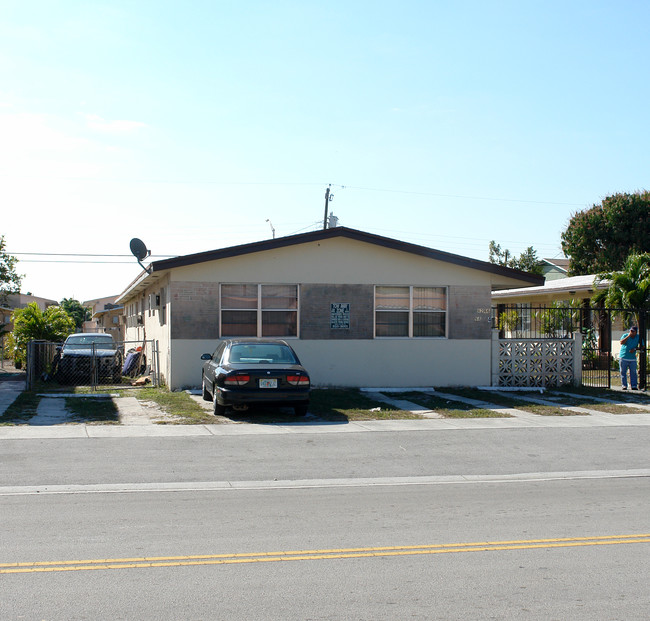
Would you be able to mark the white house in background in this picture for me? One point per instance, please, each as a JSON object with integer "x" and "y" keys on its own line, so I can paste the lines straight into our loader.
{"x": 359, "y": 309}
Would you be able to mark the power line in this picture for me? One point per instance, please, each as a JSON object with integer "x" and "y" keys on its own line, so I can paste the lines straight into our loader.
{"x": 475, "y": 198}
{"x": 308, "y": 183}
{"x": 80, "y": 254}
{"x": 85, "y": 262}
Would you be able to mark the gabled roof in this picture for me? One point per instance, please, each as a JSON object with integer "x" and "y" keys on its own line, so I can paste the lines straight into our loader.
{"x": 561, "y": 285}
{"x": 339, "y": 231}
{"x": 561, "y": 264}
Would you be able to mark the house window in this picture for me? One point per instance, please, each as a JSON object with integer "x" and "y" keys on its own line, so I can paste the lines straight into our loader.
{"x": 163, "y": 306}
{"x": 259, "y": 310}
{"x": 410, "y": 312}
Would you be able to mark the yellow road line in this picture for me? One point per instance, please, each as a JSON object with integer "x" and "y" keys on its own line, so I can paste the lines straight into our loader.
{"x": 326, "y": 554}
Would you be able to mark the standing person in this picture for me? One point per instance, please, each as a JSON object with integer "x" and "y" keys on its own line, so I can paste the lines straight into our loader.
{"x": 629, "y": 345}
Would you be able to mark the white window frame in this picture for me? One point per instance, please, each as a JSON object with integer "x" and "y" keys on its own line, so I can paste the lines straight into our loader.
{"x": 411, "y": 312}
{"x": 259, "y": 310}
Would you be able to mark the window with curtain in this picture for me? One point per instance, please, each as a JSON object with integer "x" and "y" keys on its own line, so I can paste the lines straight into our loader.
{"x": 410, "y": 312}
{"x": 259, "y": 310}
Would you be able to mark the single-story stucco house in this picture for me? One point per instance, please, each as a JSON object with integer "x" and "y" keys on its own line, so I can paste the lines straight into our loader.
{"x": 359, "y": 309}
{"x": 581, "y": 289}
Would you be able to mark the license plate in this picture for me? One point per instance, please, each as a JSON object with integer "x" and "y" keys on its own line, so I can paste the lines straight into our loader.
{"x": 269, "y": 382}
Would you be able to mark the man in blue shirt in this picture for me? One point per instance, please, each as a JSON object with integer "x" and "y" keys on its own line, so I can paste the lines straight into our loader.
{"x": 629, "y": 345}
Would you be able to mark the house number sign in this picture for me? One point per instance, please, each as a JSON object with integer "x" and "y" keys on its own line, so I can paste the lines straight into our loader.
{"x": 340, "y": 316}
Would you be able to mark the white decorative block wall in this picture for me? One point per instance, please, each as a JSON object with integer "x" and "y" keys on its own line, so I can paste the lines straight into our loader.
{"x": 535, "y": 362}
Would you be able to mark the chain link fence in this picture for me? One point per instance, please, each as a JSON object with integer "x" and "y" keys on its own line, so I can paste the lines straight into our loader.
{"x": 92, "y": 360}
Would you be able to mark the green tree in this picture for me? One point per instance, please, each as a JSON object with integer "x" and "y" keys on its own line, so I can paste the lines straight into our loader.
{"x": 599, "y": 239}
{"x": 30, "y": 323}
{"x": 528, "y": 261}
{"x": 629, "y": 288}
{"x": 9, "y": 279}
{"x": 77, "y": 311}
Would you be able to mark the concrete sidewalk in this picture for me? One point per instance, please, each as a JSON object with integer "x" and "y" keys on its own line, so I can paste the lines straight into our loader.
{"x": 517, "y": 421}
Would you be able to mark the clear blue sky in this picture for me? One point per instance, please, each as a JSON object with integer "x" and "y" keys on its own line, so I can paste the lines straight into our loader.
{"x": 189, "y": 124}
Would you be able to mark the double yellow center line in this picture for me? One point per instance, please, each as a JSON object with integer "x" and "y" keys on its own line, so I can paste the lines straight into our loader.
{"x": 312, "y": 555}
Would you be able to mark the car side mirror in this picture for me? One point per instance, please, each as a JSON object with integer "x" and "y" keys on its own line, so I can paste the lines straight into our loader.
{"x": 206, "y": 356}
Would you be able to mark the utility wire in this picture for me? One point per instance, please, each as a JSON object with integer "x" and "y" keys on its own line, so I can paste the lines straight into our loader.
{"x": 64, "y": 261}
{"x": 309, "y": 183}
{"x": 79, "y": 254}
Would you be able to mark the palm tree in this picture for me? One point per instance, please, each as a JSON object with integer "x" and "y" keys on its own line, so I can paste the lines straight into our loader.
{"x": 629, "y": 289}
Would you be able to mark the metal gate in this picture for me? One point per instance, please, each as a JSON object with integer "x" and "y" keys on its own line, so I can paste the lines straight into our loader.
{"x": 600, "y": 367}
{"x": 600, "y": 328}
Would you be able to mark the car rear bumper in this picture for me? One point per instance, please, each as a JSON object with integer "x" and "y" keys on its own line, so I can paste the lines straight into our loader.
{"x": 227, "y": 396}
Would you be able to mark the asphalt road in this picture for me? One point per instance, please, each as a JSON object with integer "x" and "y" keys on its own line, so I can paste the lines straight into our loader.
{"x": 488, "y": 524}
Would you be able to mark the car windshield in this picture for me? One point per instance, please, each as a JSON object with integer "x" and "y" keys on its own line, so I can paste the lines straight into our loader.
{"x": 85, "y": 341}
{"x": 262, "y": 353}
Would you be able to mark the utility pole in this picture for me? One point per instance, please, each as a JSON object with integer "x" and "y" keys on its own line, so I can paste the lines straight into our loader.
{"x": 328, "y": 198}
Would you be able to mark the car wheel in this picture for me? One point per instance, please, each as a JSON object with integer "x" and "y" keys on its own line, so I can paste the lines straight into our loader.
{"x": 206, "y": 395}
{"x": 300, "y": 410}
{"x": 219, "y": 410}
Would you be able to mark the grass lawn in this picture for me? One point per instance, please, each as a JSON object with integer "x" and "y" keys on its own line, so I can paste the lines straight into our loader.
{"x": 589, "y": 398}
{"x": 500, "y": 398}
{"x": 179, "y": 406}
{"x": 341, "y": 404}
{"x": 450, "y": 409}
{"x": 21, "y": 410}
{"x": 92, "y": 411}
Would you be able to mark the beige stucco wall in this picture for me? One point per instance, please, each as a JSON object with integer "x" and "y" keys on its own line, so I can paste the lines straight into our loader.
{"x": 370, "y": 363}
{"x": 152, "y": 328}
{"x": 335, "y": 261}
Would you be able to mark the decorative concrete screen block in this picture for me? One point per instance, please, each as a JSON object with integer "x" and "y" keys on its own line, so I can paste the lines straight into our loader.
{"x": 536, "y": 363}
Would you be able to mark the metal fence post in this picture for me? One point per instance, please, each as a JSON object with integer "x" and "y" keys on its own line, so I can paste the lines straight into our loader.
{"x": 157, "y": 375}
{"x": 29, "y": 362}
{"x": 643, "y": 350}
{"x": 577, "y": 359}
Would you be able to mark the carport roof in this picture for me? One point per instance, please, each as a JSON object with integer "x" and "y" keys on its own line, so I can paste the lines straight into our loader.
{"x": 156, "y": 267}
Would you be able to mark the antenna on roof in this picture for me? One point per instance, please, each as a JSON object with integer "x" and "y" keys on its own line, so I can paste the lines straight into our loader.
{"x": 140, "y": 252}
{"x": 271, "y": 225}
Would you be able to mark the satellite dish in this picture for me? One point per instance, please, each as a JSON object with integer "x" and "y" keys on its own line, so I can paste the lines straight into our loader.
{"x": 138, "y": 249}
{"x": 140, "y": 252}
